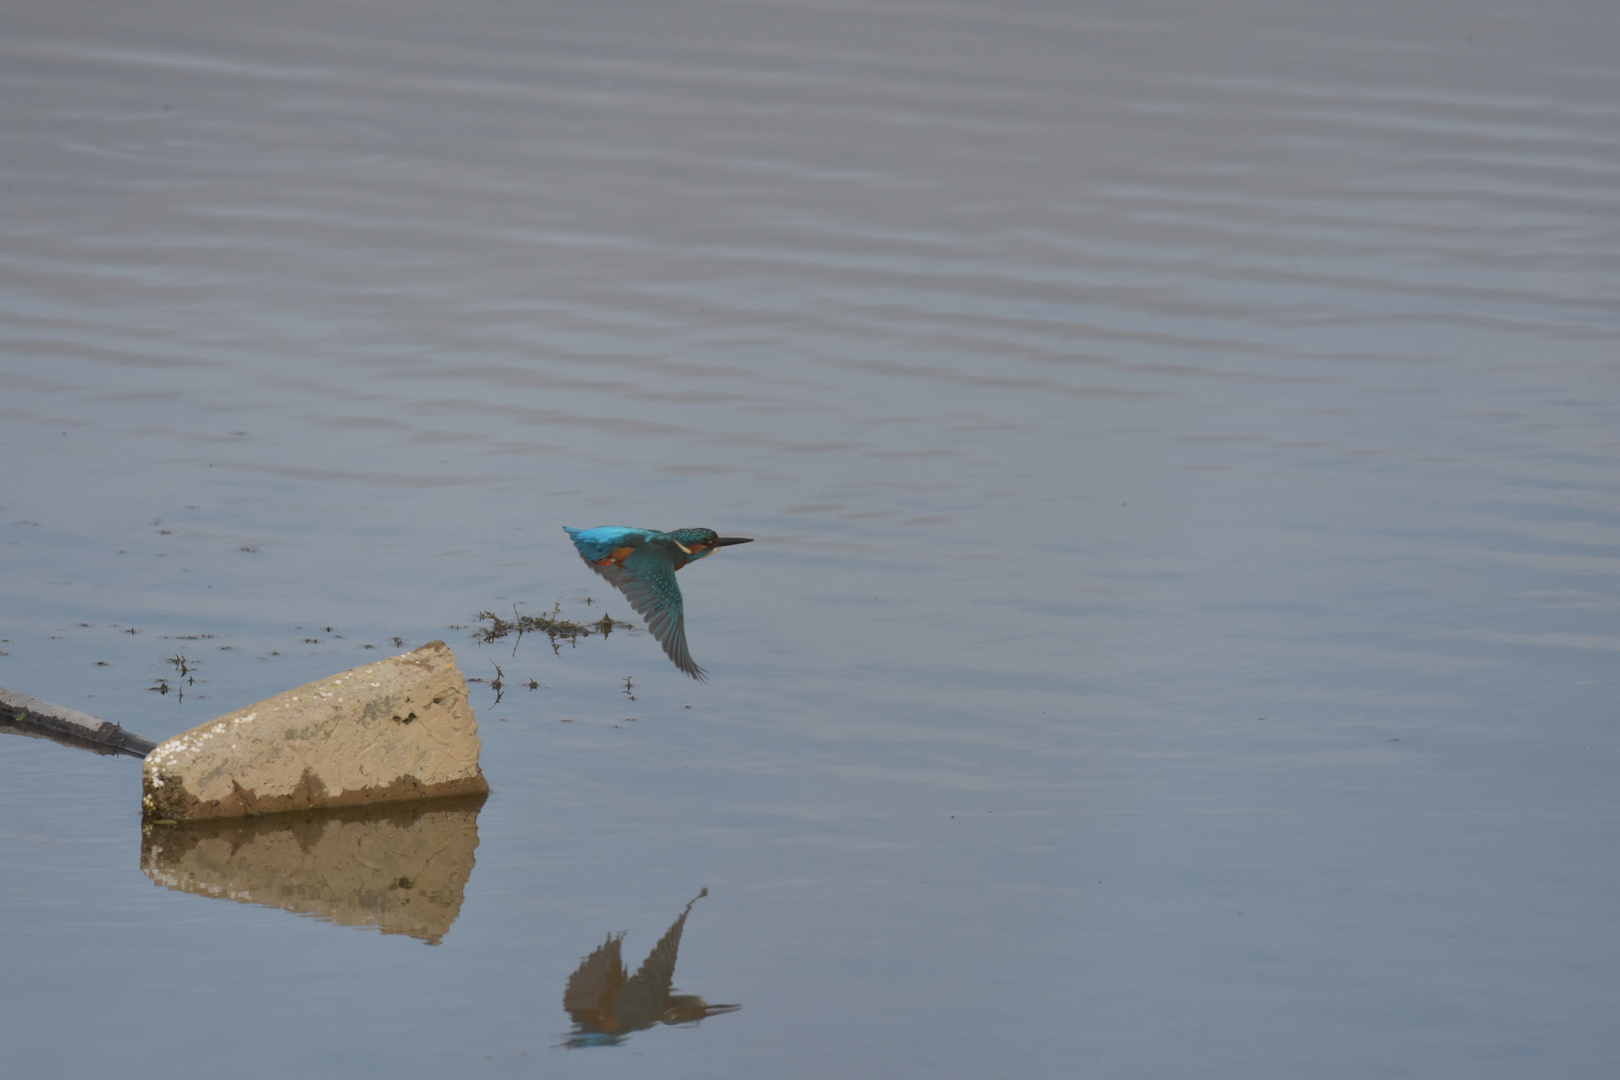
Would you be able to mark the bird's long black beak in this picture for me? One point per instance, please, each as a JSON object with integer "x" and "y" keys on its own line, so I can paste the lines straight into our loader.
{"x": 725, "y": 540}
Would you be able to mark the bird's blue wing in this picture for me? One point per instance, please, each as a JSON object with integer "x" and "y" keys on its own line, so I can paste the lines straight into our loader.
{"x": 647, "y": 580}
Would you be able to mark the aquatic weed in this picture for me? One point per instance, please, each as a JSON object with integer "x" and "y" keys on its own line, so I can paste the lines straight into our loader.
{"x": 493, "y": 627}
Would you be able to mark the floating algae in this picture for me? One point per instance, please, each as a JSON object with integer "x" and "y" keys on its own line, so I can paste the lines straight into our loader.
{"x": 552, "y": 625}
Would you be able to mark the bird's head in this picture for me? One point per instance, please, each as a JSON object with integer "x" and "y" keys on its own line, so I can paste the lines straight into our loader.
{"x": 699, "y": 542}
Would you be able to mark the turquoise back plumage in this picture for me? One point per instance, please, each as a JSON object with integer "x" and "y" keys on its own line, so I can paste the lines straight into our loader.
{"x": 594, "y": 544}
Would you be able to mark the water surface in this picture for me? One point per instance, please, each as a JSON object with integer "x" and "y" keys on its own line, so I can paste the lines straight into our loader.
{"x": 1180, "y": 442}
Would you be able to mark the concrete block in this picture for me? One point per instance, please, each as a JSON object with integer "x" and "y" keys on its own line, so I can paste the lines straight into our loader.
{"x": 397, "y": 730}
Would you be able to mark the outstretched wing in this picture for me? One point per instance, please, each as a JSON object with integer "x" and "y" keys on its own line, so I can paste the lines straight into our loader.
{"x": 594, "y": 984}
{"x": 641, "y": 1002}
{"x": 647, "y": 579}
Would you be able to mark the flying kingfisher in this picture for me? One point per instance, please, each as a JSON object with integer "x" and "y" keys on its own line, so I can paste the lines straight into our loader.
{"x": 641, "y": 563}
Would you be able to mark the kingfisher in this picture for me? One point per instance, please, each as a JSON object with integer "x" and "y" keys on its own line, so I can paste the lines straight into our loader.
{"x": 641, "y": 563}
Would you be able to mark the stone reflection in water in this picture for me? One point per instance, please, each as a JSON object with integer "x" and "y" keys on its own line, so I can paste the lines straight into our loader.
{"x": 400, "y": 868}
{"x": 606, "y": 1003}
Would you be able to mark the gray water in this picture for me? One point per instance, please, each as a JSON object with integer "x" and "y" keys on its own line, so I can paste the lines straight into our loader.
{"x": 1182, "y": 444}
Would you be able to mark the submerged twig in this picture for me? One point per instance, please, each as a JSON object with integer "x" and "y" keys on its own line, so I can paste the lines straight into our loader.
{"x": 23, "y": 715}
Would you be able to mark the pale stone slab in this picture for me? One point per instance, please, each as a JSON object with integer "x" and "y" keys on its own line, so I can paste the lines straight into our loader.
{"x": 397, "y": 730}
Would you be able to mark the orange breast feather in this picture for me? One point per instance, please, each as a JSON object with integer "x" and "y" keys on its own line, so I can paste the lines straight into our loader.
{"x": 617, "y": 557}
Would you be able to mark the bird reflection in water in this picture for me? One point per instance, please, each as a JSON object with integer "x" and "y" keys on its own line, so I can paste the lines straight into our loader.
{"x": 606, "y": 1003}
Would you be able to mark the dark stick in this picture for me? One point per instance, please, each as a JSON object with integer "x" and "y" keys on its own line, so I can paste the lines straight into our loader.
{"x": 23, "y": 715}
